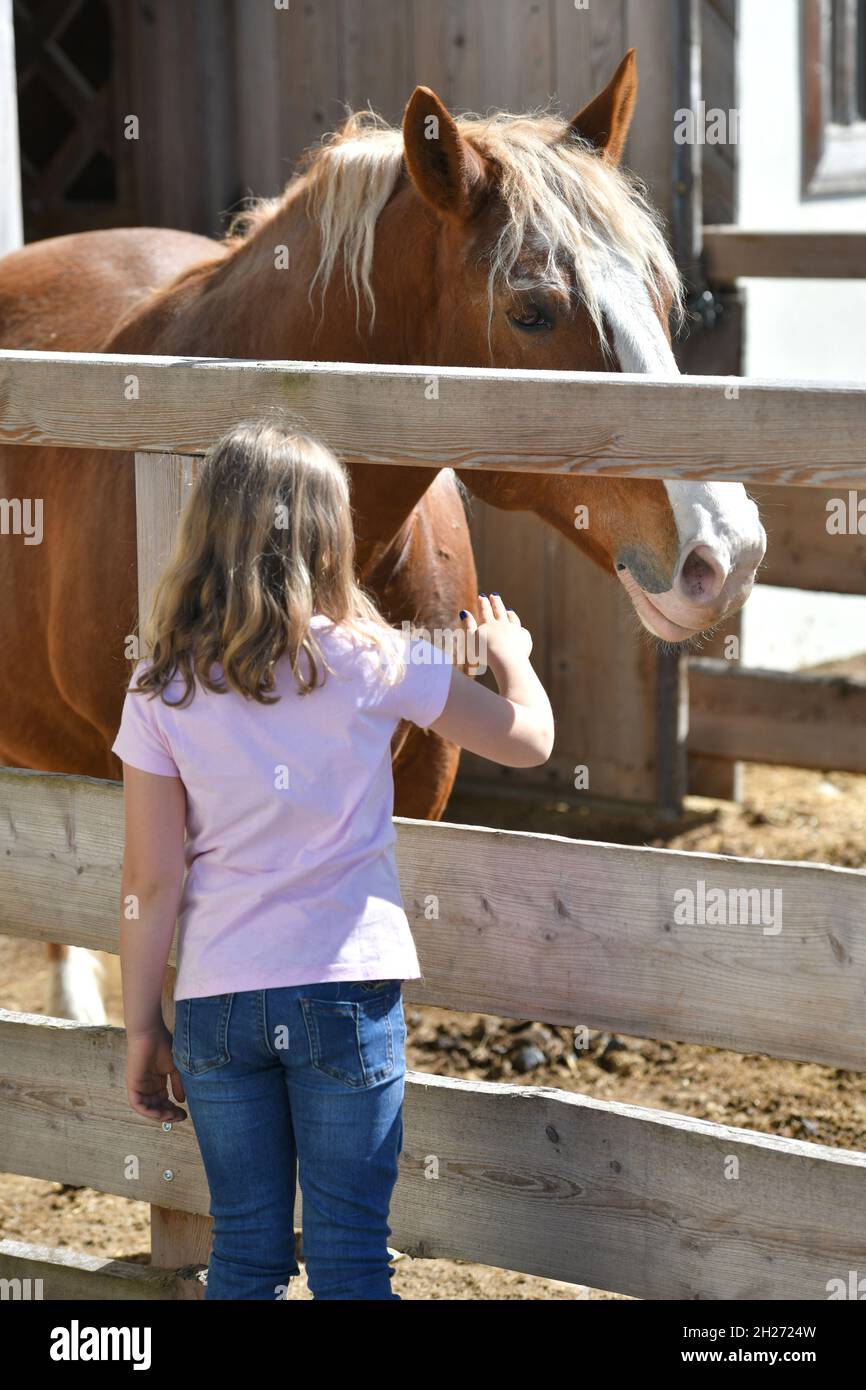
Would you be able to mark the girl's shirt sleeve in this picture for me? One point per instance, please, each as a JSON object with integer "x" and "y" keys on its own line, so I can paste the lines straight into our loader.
{"x": 422, "y": 694}
{"x": 140, "y": 740}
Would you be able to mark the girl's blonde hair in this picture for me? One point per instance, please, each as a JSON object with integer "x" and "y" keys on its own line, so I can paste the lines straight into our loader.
{"x": 264, "y": 543}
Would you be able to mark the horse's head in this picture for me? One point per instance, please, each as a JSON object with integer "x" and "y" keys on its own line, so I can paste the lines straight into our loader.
{"x": 517, "y": 241}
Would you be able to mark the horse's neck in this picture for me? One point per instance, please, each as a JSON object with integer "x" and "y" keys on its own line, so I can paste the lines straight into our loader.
{"x": 243, "y": 305}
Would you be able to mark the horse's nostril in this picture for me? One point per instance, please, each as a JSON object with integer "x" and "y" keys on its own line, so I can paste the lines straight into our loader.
{"x": 702, "y": 576}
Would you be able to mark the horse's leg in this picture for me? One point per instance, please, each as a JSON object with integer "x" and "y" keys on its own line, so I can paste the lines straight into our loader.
{"x": 76, "y": 984}
{"x": 425, "y": 767}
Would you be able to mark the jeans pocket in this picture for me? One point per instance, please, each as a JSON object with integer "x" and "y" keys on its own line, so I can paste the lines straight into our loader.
{"x": 355, "y": 1041}
{"x": 201, "y": 1033}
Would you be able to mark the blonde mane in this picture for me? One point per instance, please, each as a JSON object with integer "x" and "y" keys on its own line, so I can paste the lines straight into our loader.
{"x": 576, "y": 214}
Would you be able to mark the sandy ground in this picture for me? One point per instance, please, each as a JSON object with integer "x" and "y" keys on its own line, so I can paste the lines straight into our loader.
{"x": 786, "y": 814}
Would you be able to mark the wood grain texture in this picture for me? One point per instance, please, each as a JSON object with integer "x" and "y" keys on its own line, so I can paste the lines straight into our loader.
{"x": 732, "y": 252}
{"x": 264, "y": 146}
{"x": 650, "y": 149}
{"x": 791, "y": 719}
{"x": 377, "y": 56}
{"x": 595, "y": 649}
{"x": 719, "y": 778}
{"x": 162, "y": 485}
{"x": 811, "y": 433}
{"x": 572, "y": 608}
{"x": 310, "y": 67}
{"x": 74, "y": 1276}
{"x": 801, "y": 554}
{"x": 181, "y": 1240}
{"x": 588, "y": 47}
{"x": 528, "y": 926}
{"x": 535, "y": 1179}
{"x": 184, "y": 164}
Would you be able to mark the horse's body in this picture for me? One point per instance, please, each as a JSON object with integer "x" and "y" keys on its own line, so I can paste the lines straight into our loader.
{"x": 453, "y": 244}
{"x": 78, "y": 590}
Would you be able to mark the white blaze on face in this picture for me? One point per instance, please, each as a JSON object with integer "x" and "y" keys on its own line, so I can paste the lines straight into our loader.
{"x": 721, "y": 539}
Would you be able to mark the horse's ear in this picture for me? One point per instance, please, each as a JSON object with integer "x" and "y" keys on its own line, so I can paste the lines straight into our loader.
{"x": 605, "y": 121}
{"x": 445, "y": 169}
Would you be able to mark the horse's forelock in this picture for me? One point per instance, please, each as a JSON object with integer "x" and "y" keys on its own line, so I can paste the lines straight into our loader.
{"x": 571, "y": 215}
{"x": 578, "y": 215}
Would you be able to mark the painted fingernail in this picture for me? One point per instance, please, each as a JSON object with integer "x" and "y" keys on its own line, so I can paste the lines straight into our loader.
{"x": 463, "y": 613}
{"x": 495, "y": 594}
{"x": 482, "y": 595}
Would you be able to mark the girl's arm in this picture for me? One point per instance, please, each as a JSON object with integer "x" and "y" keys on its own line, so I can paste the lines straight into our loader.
{"x": 151, "y": 885}
{"x": 515, "y": 727}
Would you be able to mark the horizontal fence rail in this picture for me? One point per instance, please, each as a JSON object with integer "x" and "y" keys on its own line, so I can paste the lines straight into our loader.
{"x": 734, "y": 252}
{"x": 791, "y": 719}
{"x": 706, "y": 428}
{"x": 529, "y": 926}
{"x": 802, "y": 553}
{"x": 70, "y": 1274}
{"x": 545, "y": 1181}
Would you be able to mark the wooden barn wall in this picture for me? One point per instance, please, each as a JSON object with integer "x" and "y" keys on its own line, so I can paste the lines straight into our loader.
{"x": 296, "y": 71}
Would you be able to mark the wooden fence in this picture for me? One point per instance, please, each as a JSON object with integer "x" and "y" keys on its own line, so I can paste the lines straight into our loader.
{"x": 549, "y": 1182}
{"x": 794, "y": 719}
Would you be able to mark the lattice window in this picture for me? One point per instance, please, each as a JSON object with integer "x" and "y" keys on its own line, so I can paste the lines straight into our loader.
{"x": 70, "y": 132}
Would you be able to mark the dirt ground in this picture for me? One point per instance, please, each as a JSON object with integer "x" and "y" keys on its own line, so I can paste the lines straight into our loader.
{"x": 786, "y": 814}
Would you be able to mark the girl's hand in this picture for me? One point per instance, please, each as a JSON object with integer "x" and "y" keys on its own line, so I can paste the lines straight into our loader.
{"x": 500, "y": 633}
{"x": 515, "y": 727}
{"x": 148, "y": 1063}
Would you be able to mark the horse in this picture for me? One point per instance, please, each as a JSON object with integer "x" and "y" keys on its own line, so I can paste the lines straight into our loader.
{"x": 506, "y": 240}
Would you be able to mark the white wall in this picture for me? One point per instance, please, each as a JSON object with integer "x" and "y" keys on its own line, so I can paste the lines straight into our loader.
{"x": 11, "y": 231}
{"x": 808, "y": 329}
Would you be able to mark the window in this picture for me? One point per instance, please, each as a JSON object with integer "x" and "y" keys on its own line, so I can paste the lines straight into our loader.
{"x": 834, "y": 97}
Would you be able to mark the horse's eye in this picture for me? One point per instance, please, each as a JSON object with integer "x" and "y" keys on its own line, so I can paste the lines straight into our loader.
{"x": 531, "y": 319}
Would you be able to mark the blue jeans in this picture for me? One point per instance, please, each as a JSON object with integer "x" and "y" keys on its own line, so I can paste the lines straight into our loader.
{"x": 309, "y": 1076}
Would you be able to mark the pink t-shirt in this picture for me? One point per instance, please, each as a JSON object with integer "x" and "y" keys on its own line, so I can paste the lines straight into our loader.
{"x": 291, "y": 876}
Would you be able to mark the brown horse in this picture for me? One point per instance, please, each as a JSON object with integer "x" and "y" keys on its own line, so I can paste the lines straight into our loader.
{"x": 510, "y": 241}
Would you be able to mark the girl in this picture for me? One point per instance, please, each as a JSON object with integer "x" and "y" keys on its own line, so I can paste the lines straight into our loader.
{"x": 261, "y": 727}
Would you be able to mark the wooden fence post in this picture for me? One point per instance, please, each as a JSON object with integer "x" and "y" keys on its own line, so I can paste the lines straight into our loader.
{"x": 162, "y": 484}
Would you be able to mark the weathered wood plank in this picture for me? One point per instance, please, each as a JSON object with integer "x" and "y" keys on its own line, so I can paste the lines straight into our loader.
{"x": 571, "y": 607}
{"x": 71, "y": 1275}
{"x": 181, "y": 1240}
{"x": 162, "y": 485}
{"x": 650, "y": 149}
{"x": 588, "y": 46}
{"x": 801, "y": 553}
{"x": 528, "y": 926}
{"x": 641, "y": 1199}
{"x": 377, "y": 61}
{"x": 718, "y": 778}
{"x": 534, "y": 1179}
{"x": 186, "y": 169}
{"x": 791, "y": 719}
{"x": 263, "y": 142}
{"x": 615, "y": 740}
{"x": 732, "y": 252}
{"x": 811, "y": 433}
{"x": 311, "y": 75}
